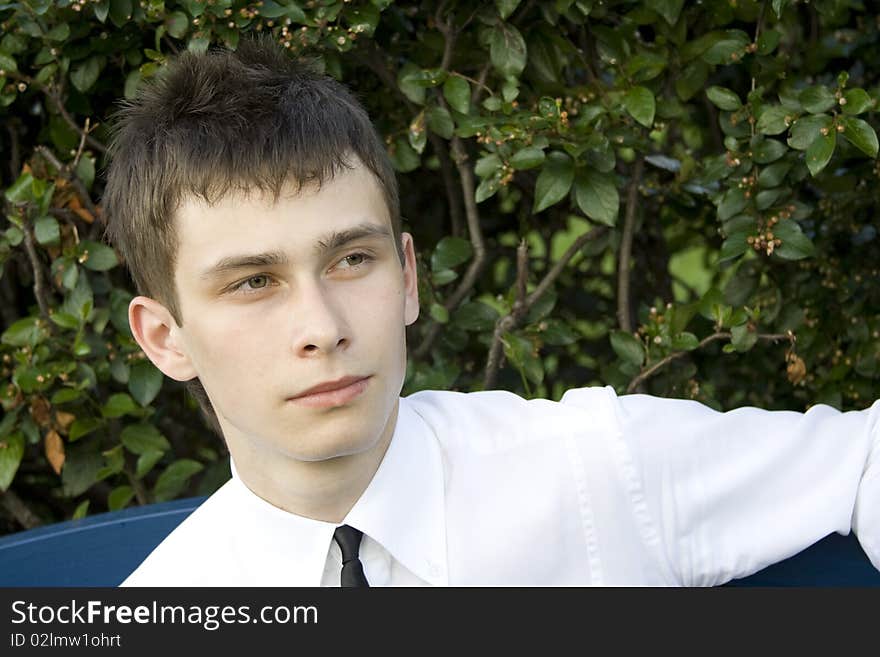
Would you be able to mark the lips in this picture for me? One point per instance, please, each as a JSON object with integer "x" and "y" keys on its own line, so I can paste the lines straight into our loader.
{"x": 333, "y": 393}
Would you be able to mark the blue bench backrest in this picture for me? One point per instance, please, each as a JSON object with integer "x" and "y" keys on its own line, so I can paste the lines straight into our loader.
{"x": 103, "y": 549}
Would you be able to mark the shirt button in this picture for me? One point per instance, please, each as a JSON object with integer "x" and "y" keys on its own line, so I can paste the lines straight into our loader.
{"x": 433, "y": 569}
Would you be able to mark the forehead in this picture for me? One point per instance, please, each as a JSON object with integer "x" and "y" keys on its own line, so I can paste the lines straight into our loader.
{"x": 295, "y": 222}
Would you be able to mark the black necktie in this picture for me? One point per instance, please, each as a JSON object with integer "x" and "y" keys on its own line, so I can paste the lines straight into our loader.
{"x": 349, "y": 540}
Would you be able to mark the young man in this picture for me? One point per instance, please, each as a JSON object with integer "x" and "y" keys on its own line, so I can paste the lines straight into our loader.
{"x": 256, "y": 208}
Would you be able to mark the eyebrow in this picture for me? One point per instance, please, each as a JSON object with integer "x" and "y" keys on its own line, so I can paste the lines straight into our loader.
{"x": 327, "y": 243}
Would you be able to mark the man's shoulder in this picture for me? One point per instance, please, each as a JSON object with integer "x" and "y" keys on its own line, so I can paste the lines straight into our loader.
{"x": 189, "y": 555}
{"x": 494, "y": 419}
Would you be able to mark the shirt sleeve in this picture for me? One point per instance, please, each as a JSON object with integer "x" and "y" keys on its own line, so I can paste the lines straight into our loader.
{"x": 731, "y": 493}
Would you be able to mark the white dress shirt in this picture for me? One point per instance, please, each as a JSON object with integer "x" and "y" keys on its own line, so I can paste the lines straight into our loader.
{"x": 488, "y": 488}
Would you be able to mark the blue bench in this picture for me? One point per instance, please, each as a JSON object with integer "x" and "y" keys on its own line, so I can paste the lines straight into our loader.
{"x": 103, "y": 549}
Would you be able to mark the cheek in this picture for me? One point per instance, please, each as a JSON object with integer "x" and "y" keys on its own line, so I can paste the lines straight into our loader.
{"x": 229, "y": 350}
{"x": 376, "y": 306}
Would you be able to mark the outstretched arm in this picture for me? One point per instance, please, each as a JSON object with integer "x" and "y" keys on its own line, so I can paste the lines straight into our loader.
{"x": 731, "y": 493}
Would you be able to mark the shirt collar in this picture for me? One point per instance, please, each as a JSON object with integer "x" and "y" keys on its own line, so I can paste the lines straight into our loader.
{"x": 402, "y": 509}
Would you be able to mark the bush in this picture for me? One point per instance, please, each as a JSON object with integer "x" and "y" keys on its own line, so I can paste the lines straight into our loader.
{"x": 667, "y": 197}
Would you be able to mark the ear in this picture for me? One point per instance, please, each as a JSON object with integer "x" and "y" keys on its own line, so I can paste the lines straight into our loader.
{"x": 157, "y": 333}
{"x": 410, "y": 279}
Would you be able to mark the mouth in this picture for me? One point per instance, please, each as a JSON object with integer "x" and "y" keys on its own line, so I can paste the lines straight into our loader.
{"x": 333, "y": 393}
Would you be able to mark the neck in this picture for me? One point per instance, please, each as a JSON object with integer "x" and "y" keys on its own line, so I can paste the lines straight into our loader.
{"x": 323, "y": 490}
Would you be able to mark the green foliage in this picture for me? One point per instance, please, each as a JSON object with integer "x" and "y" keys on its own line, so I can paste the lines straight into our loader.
{"x": 666, "y": 197}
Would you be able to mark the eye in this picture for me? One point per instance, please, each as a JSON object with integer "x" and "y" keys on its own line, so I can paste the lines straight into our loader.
{"x": 354, "y": 260}
{"x": 252, "y": 284}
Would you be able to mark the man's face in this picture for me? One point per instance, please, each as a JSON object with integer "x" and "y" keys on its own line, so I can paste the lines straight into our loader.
{"x": 279, "y": 298}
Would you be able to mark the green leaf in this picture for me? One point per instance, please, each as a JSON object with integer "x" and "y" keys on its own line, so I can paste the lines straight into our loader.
{"x": 406, "y": 81}
{"x": 527, "y": 158}
{"x": 857, "y": 101}
{"x": 808, "y": 129}
{"x": 439, "y": 120}
{"x": 115, "y": 459}
{"x": 767, "y": 41}
{"x": 457, "y": 92}
{"x": 142, "y": 438}
{"x": 506, "y": 7}
{"x": 120, "y": 11}
{"x": 554, "y": 181}
{"x": 487, "y": 165}
{"x": 817, "y": 99}
{"x": 417, "y": 135}
{"x": 860, "y": 134}
{"x": 820, "y": 151}
{"x": 82, "y": 464}
{"x": 47, "y": 231}
{"x": 724, "y": 98}
{"x": 29, "y": 331}
{"x": 118, "y": 405}
{"x": 83, "y": 426}
{"x": 628, "y": 347}
{"x": 795, "y": 245}
{"x": 11, "y": 452}
{"x": 86, "y": 74}
{"x": 146, "y": 461}
{"x": 451, "y": 252}
{"x": 597, "y": 196}
{"x": 21, "y": 190}
{"x": 734, "y": 246}
{"x": 521, "y": 353}
{"x": 132, "y": 83}
{"x": 119, "y": 497}
{"x": 742, "y": 338}
{"x": 7, "y": 62}
{"x": 97, "y": 256}
{"x": 685, "y": 341}
{"x": 768, "y": 197}
{"x": 85, "y": 170}
{"x": 177, "y": 24}
{"x": 439, "y": 313}
{"x": 773, "y": 175}
{"x": 768, "y": 150}
{"x": 733, "y": 202}
{"x": 668, "y": 9}
{"x": 403, "y": 157}
{"x": 556, "y": 332}
{"x": 174, "y": 478}
{"x": 475, "y": 316}
{"x": 102, "y": 8}
{"x": 198, "y": 45}
{"x": 81, "y": 510}
{"x": 640, "y": 103}
{"x": 66, "y": 395}
{"x": 487, "y": 188}
{"x": 507, "y": 50}
{"x": 779, "y": 7}
{"x": 729, "y": 46}
{"x": 691, "y": 80}
{"x": 144, "y": 382}
{"x": 60, "y": 32}
{"x": 66, "y": 320}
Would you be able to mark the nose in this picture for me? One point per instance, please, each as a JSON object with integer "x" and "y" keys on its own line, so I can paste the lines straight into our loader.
{"x": 320, "y": 327}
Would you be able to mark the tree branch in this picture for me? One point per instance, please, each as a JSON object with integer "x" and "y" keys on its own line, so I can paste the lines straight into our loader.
{"x": 59, "y": 105}
{"x": 71, "y": 177}
{"x": 16, "y": 507}
{"x": 523, "y": 303}
{"x": 468, "y": 189}
{"x": 510, "y": 321}
{"x": 644, "y": 375}
{"x": 40, "y": 291}
{"x": 624, "y": 317}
